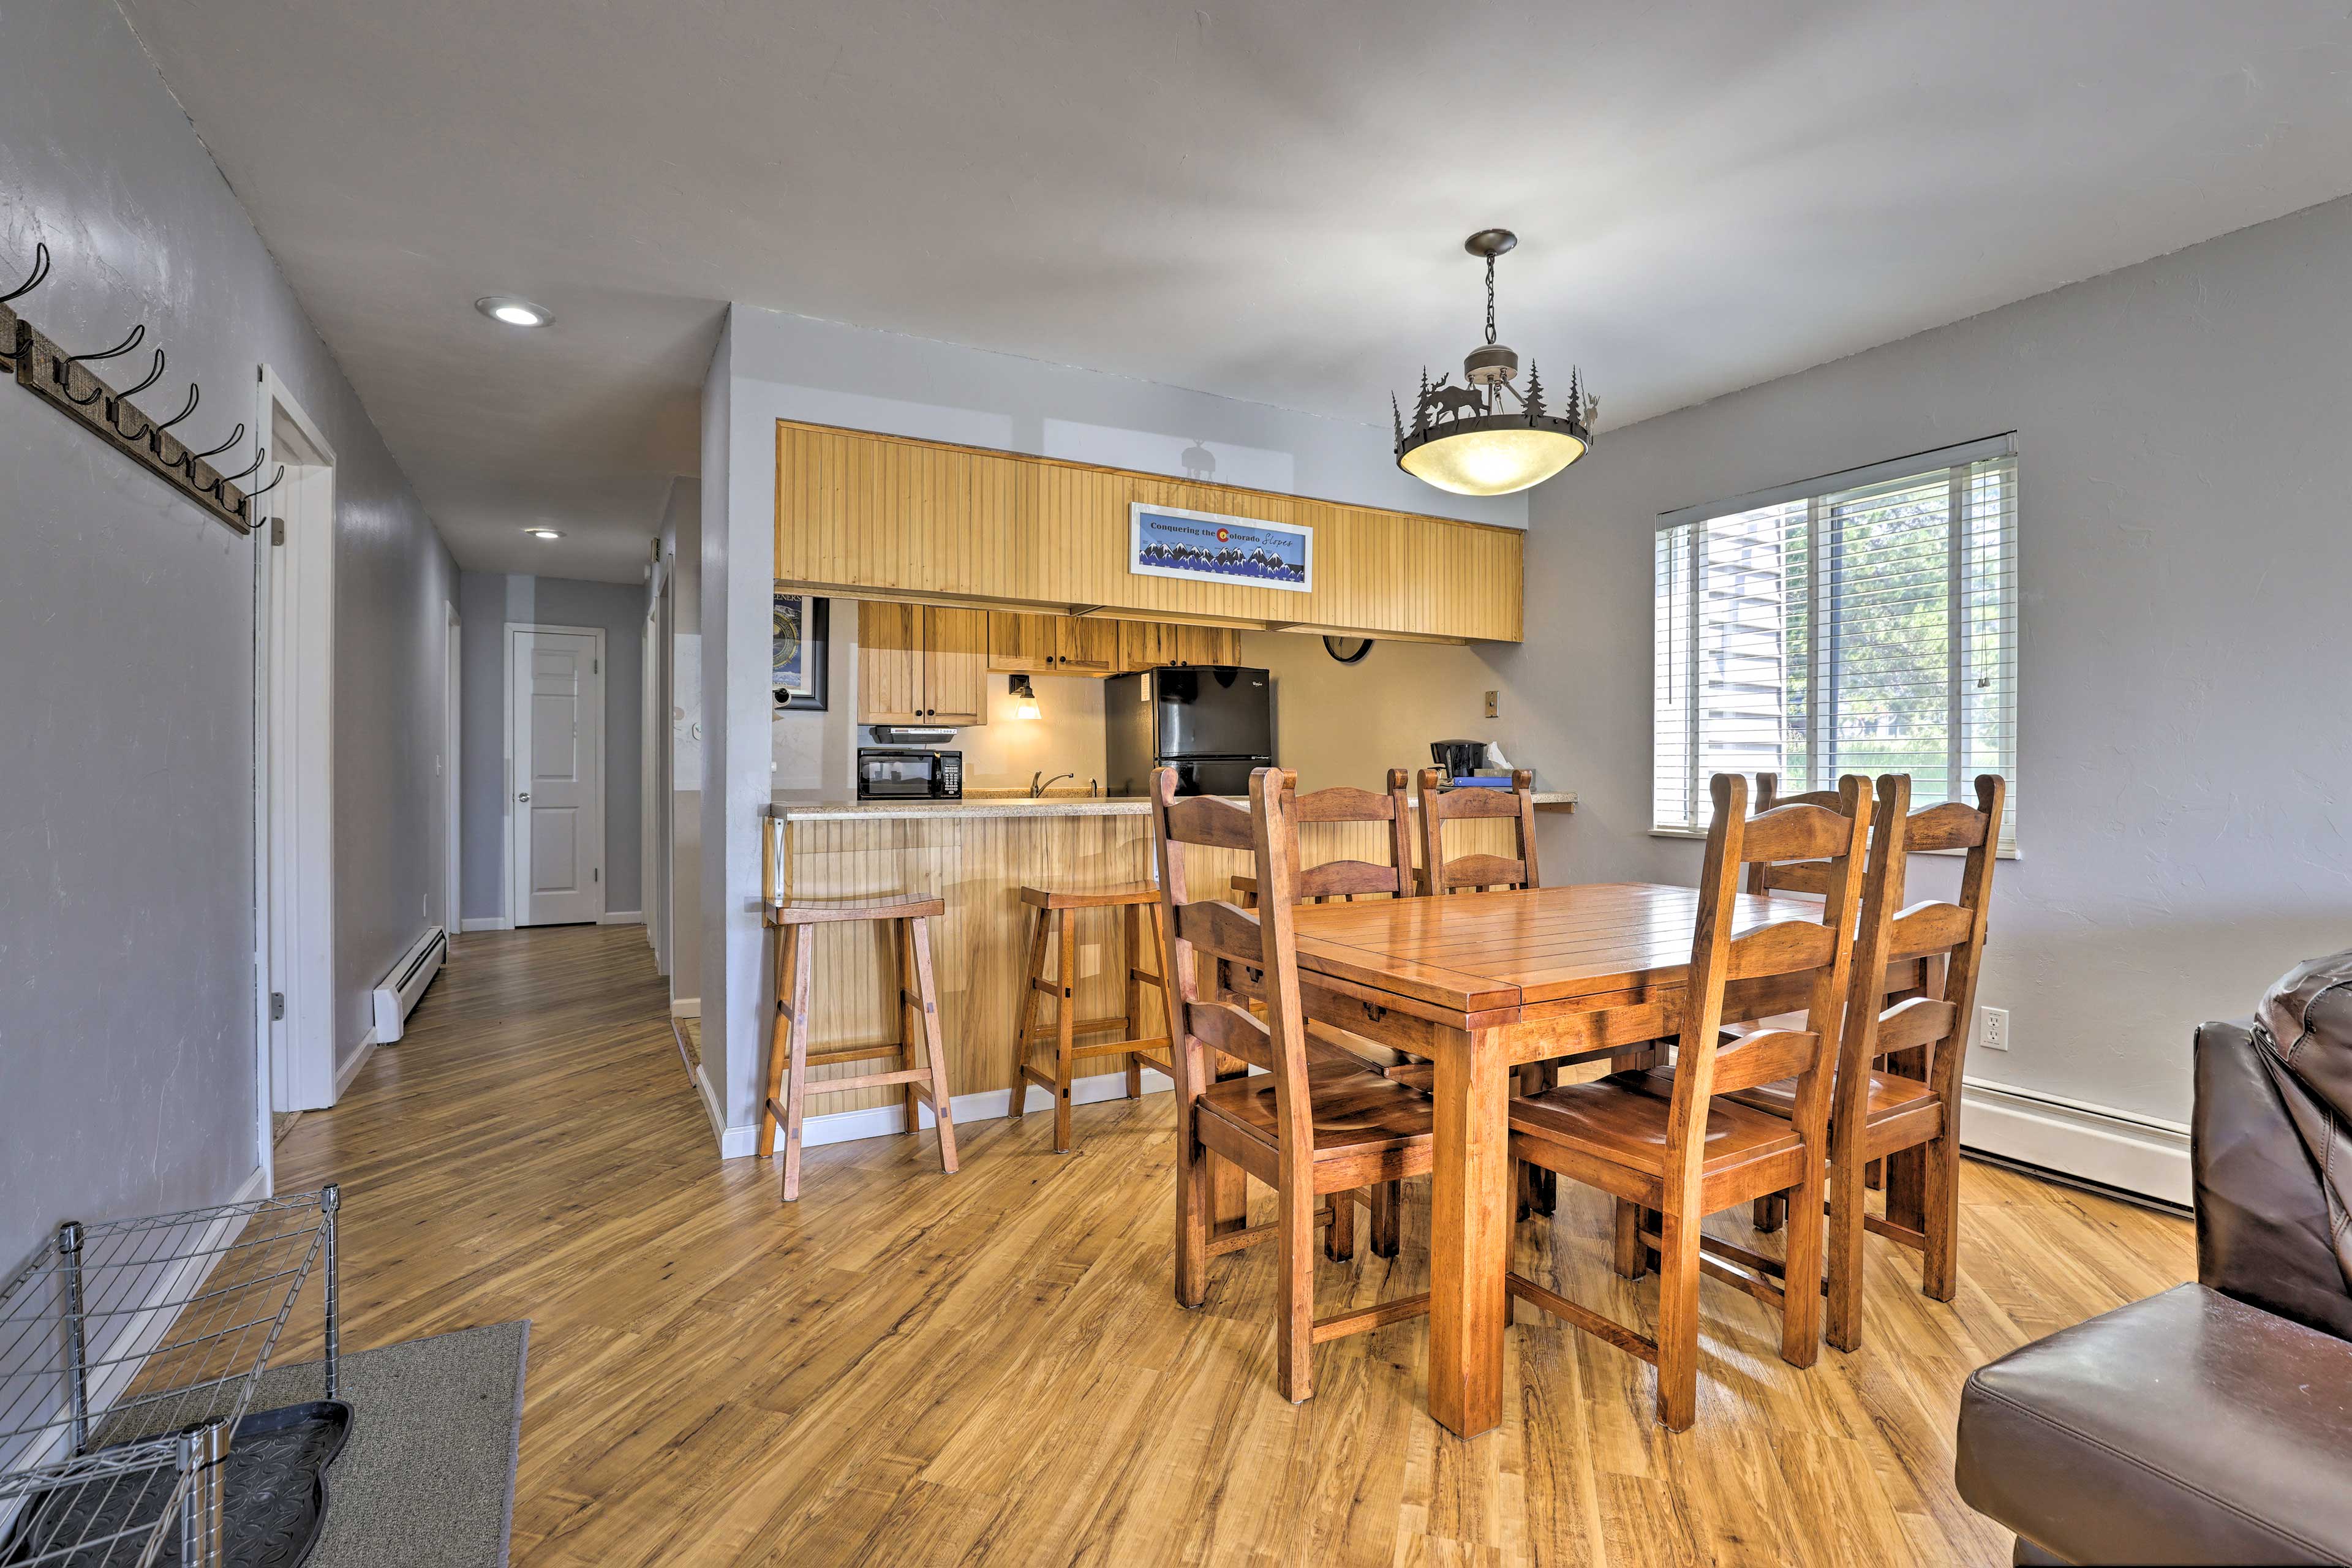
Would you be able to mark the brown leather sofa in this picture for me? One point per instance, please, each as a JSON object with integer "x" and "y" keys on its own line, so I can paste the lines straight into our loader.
{"x": 2212, "y": 1422}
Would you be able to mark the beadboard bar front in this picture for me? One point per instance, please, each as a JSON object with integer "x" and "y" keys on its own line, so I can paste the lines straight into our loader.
{"x": 977, "y": 856}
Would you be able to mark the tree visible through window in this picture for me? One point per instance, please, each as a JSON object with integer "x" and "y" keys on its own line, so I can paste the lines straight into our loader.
{"x": 1862, "y": 623}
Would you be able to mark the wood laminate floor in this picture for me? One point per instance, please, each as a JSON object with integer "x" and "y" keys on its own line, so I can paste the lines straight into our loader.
{"x": 912, "y": 1368}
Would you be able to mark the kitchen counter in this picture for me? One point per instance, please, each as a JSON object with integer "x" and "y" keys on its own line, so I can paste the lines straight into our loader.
{"x": 1051, "y": 806}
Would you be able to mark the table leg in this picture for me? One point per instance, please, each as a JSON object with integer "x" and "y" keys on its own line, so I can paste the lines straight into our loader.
{"x": 1470, "y": 1233}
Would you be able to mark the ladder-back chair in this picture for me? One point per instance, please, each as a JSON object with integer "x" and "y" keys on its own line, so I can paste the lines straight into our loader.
{"x": 1675, "y": 1148}
{"x": 1307, "y": 1128}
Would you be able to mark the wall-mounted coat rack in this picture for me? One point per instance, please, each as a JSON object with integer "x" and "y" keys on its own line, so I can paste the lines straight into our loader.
{"x": 67, "y": 384}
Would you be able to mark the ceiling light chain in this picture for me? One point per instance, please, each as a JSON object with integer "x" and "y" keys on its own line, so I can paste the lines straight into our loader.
{"x": 1490, "y": 299}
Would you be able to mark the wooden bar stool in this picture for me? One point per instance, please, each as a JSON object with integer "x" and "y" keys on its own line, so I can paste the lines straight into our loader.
{"x": 1052, "y": 926}
{"x": 789, "y": 1056}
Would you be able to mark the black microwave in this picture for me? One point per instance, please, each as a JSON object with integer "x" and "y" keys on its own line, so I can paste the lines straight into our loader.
{"x": 895, "y": 773}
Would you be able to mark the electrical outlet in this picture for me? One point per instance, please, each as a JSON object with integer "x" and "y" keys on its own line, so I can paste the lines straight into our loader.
{"x": 1993, "y": 1029}
{"x": 1494, "y": 705}
{"x": 1089, "y": 959}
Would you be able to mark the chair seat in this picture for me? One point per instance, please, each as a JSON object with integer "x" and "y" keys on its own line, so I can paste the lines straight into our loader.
{"x": 1616, "y": 1123}
{"x": 1892, "y": 1098}
{"x": 1354, "y": 1110}
{"x": 876, "y": 907}
{"x": 1090, "y": 897}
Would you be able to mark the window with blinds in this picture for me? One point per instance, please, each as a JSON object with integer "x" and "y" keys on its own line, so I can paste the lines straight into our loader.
{"x": 1864, "y": 621}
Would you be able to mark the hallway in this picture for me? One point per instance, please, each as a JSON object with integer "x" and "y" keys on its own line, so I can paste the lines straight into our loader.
{"x": 911, "y": 1368}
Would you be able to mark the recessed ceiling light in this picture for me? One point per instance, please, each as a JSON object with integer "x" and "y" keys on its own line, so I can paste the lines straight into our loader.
{"x": 543, "y": 534}
{"x": 514, "y": 312}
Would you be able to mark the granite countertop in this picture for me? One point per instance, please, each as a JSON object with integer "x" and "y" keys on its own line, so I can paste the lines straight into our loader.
{"x": 1021, "y": 805}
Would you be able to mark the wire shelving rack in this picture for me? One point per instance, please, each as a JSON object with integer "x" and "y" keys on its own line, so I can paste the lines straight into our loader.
{"x": 128, "y": 1353}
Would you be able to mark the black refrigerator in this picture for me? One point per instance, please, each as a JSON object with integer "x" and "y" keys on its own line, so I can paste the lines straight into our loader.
{"x": 1211, "y": 722}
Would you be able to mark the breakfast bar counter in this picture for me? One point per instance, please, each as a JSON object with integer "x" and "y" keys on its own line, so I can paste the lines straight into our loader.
{"x": 976, "y": 854}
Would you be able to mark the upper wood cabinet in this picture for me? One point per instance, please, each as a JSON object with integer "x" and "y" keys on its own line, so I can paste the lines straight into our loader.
{"x": 919, "y": 664}
{"x": 859, "y": 513}
{"x": 1146, "y": 645}
{"x": 1208, "y": 645}
{"x": 1087, "y": 647}
{"x": 1021, "y": 644}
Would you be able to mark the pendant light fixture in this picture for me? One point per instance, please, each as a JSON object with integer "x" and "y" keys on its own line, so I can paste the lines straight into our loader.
{"x": 1470, "y": 439}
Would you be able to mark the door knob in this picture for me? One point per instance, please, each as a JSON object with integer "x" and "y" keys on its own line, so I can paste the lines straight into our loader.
{"x": 525, "y": 796}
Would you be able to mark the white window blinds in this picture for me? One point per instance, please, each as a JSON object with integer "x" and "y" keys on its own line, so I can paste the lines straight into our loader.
{"x": 1865, "y": 622}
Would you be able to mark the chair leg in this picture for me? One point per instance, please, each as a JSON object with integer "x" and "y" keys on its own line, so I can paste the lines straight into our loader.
{"x": 1800, "y": 1300}
{"x": 796, "y": 1072}
{"x": 1939, "y": 1262}
{"x": 1630, "y": 1257}
{"x": 1024, "y": 1017}
{"x": 1842, "y": 1322}
{"x": 1340, "y": 1241}
{"x": 1294, "y": 1324}
{"x": 909, "y": 1019}
{"x": 927, "y": 995}
{"x": 1131, "y": 929}
{"x": 1387, "y": 1203}
{"x": 1677, "y": 1322}
{"x": 1195, "y": 1211}
{"x": 1065, "y": 1031}
{"x": 1768, "y": 1213}
{"x": 780, "y": 1037}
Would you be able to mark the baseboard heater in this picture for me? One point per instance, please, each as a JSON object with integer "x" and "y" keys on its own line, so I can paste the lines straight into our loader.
{"x": 397, "y": 992}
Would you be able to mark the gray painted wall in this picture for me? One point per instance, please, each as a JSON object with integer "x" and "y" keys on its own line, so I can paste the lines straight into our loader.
{"x": 2184, "y": 760}
{"x": 127, "y": 1051}
{"x": 488, "y": 600}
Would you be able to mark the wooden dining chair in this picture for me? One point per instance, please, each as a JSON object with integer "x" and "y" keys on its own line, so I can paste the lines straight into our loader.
{"x": 1307, "y": 1128}
{"x": 1439, "y": 806}
{"x": 1906, "y": 1113}
{"x": 1675, "y": 1148}
{"x": 1788, "y": 876}
{"x": 1345, "y": 880}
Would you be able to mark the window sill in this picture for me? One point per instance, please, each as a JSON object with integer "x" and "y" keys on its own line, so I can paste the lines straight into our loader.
{"x": 1697, "y": 838}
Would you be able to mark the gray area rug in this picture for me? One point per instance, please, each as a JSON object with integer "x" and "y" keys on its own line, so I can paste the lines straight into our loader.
{"x": 427, "y": 1479}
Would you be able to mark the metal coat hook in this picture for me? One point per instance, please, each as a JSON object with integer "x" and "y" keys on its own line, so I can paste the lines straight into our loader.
{"x": 189, "y": 460}
{"x": 275, "y": 480}
{"x": 40, "y": 271}
{"x": 260, "y": 455}
{"x": 195, "y": 393}
{"x": 122, "y": 400}
{"x": 63, "y": 371}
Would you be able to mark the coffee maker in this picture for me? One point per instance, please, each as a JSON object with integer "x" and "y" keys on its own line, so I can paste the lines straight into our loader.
{"x": 1457, "y": 758}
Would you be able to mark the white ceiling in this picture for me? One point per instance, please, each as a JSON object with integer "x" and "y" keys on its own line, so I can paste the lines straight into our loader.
{"x": 1263, "y": 201}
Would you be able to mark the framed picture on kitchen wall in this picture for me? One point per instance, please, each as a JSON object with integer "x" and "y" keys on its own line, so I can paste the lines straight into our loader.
{"x": 799, "y": 652}
{"x": 1208, "y": 547}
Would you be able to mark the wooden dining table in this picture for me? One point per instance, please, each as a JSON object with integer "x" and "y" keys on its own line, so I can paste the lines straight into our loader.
{"x": 1479, "y": 984}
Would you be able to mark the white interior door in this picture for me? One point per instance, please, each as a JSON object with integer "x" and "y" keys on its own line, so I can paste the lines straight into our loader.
{"x": 555, "y": 716}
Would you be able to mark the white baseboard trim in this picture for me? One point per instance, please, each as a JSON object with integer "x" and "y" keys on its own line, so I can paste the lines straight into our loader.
{"x": 2099, "y": 1143}
{"x": 985, "y": 1105}
{"x": 351, "y": 1070}
{"x": 622, "y": 918}
{"x": 734, "y": 1143}
{"x": 686, "y": 1006}
{"x": 486, "y": 922}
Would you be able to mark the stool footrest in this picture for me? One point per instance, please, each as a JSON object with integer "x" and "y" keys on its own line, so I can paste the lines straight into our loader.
{"x": 917, "y": 1075}
{"x": 833, "y": 1054}
{"x": 1050, "y": 987}
{"x": 1116, "y": 1049}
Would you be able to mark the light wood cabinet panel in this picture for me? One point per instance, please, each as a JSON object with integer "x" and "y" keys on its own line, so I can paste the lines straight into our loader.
{"x": 890, "y": 663}
{"x": 1021, "y": 644}
{"x": 955, "y": 667}
{"x": 857, "y": 512}
{"x": 1208, "y": 645}
{"x": 1145, "y": 645}
{"x": 1087, "y": 646}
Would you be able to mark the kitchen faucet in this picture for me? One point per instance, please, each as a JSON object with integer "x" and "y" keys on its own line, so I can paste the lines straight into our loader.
{"x": 1037, "y": 791}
